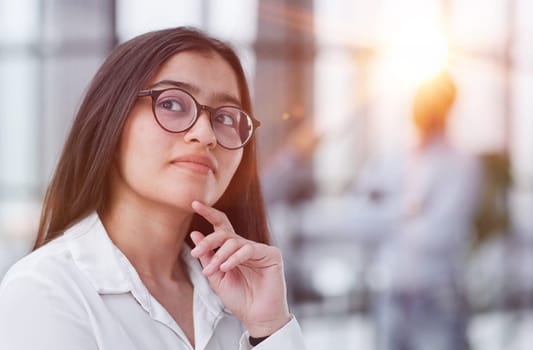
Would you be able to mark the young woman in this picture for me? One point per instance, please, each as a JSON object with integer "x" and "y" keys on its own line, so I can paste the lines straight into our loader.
{"x": 153, "y": 232}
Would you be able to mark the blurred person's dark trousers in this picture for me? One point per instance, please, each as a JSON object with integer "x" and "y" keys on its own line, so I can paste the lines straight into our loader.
{"x": 421, "y": 320}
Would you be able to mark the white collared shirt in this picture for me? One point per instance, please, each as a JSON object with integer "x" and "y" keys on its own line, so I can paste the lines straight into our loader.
{"x": 81, "y": 292}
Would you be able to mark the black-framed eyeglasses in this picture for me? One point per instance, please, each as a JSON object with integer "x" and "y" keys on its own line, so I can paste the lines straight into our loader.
{"x": 176, "y": 110}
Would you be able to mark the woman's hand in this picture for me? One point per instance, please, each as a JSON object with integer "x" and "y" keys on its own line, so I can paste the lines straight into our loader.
{"x": 247, "y": 276}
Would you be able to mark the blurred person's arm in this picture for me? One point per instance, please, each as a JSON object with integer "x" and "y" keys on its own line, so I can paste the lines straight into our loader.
{"x": 377, "y": 191}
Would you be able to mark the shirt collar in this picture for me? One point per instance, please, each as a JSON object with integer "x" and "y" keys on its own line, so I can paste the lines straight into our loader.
{"x": 93, "y": 253}
{"x": 110, "y": 272}
{"x": 201, "y": 286}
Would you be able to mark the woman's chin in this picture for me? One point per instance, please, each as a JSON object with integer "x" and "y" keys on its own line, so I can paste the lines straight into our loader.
{"x": 183, "y": 201}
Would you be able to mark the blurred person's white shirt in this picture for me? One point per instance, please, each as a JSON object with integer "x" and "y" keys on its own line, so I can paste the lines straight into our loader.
{"x": 428, "y": 197}
{"x": 81, "y": 292}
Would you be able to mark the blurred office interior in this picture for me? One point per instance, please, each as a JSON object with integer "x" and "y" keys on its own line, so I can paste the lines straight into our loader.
{"x": 336, "y": 78}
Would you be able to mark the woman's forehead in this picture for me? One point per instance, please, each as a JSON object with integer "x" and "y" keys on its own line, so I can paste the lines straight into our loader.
{"x": 204, "y": 74}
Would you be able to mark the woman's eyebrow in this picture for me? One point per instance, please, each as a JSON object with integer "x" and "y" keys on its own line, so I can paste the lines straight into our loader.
{"x": 185, "y": 86}
{"x": 219, "y": 97}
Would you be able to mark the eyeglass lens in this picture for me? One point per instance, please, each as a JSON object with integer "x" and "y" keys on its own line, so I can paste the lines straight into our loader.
{"x": 176, "y": 111}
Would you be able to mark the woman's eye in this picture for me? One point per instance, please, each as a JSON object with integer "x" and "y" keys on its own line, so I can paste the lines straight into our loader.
{"x": 171, "y": 105}
{"x": 225, "y": 119}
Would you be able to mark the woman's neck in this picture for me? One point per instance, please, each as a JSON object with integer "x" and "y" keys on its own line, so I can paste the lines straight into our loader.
{"x": 151, "y": 238}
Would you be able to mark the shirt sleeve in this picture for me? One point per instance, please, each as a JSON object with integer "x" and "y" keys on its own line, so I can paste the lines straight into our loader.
{"x": 289, "y": 337}
{"x": 35, "y": 314}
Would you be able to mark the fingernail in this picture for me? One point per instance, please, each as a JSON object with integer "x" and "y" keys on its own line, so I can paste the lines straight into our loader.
{"x": 196, "y": 251}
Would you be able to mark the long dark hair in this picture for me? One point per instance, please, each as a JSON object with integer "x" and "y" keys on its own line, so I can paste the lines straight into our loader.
{"x": 79, "y": 185}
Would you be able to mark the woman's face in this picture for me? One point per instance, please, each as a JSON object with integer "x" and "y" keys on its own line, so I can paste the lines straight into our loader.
{"x": 174, "y": 169}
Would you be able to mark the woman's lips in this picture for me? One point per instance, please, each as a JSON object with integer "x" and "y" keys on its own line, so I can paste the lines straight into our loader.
{"x": 198, "y": 164}
{"x": 195, "y": 167}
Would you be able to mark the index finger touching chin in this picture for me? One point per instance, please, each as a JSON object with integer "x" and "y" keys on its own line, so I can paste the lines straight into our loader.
{"x": 217, "y": 218}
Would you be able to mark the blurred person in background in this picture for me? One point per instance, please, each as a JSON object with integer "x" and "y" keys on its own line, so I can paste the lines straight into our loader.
{"x": 153, "y": 233}
{"x": 430, "y": 194}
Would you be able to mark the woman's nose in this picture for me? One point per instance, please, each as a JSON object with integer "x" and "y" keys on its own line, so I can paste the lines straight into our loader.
{"x": 202, "y": 131}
